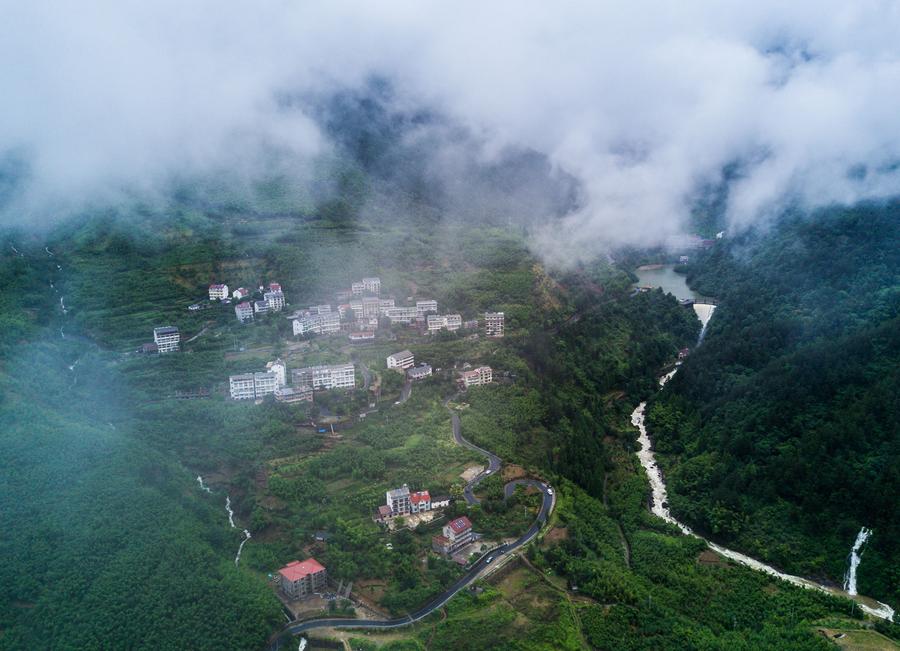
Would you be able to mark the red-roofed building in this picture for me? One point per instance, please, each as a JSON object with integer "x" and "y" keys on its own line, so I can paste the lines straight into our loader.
{"x": 420, "y": 501}
{"x": 299, "y": 579}
{"x": 457, "y": 534}
{"x": 274, "y": 287}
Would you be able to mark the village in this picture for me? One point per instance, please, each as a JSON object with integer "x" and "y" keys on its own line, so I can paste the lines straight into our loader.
{"x": 360, "y": 317}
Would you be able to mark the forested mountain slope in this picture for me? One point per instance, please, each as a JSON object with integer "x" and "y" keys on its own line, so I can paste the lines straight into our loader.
{"x": 781, "y": 435}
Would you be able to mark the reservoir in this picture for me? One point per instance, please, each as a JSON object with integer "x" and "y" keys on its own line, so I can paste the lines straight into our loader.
{"x": 664, "y": 276}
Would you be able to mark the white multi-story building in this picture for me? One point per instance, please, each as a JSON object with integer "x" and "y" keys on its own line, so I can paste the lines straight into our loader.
{"x": 401, "y": 314}
{"x": 371, "y": 306}
{"x": 372, "y": 285}
{"x": 320, "y": 309}
{"x": 357, "y": 306}
{"x": 424, "y": 307}
{"x": 457, "y": 534}
{"x": 493, "y": 324}
{"x": 279, "y": 369}
{"x": 260, "y": 307}
{"x": 241, "y": 387}
{"x": 275, "y": 300}
{"x": 477, "y": 376}
{"x": 398, "y": 500}
{"x": 419, "y": 372}
{"x": 240, "y": 293}
{"x": 294, "y": 394}
{"x": 248, "y": 386}
{"x": 319, "y": 324}
{"x": 336, "y": 376}
{"x": 218, "y": 292}
{"x": 357, "y": 288}
{"x": 167, "y": 339}
{"x": 403, "y": 359}
{"x": 385, "y": 304}
{"x": 451, "y": 322}
{"x": 243, "y": 312}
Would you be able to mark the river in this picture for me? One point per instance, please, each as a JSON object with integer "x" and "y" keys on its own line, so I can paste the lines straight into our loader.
{"x": 659, "y": 507}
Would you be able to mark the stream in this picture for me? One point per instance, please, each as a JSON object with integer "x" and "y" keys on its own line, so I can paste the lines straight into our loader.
{"x": 659, "y": 507}
{"x": 228, "y": 509}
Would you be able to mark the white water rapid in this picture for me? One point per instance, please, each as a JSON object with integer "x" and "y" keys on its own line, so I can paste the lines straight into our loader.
{"x": 247, "y": 536}
{"x": 855, "y": 558}
{"x": 659, "y": 507}
{"x": 230, "y": 512}
{"x": 237, "y": 559}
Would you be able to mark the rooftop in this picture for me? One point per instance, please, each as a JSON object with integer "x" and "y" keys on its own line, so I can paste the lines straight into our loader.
{"x": 399, "y": 492}
{"x": 420, "y": 496}
{"x": 460, "y": 524}
{"x": 296, "y": 570}
{"x": 165, "y": 330}
{"x": 402, "y": 354}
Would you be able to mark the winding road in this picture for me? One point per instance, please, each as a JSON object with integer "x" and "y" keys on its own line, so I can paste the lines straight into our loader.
{"x": 548, "y": 502}
{"x": 493, "y": 460}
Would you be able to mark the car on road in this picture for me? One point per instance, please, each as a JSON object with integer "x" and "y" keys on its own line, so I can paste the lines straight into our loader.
{"x": 489, "y": 560}
{"x": 549, "y": 491}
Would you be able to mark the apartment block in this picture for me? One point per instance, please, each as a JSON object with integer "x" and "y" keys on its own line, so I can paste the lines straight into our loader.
{"x": 241, "y": 387}
{"x": 300, "y": 579}
{"x": 217, "y": 292}
{"x": 279, "y": 368}
{"x": 337, "y": 376}
{"x": 320, "y": 324}
{"x": 424, "y": 307}
{"x": 371, "y": 306}
{"x": 260, "y": 307}
{"x": 451, "y": 322}
{"x": 167, "y": 339}
{"x": 456, "y": 534}
{"x": 240, "y": 293}
{"x": 250, "y": 386}
{"x": 294, "y": 394}
{"x": 243, "y": 312}
{"x": 275, "y": 300}
{"x": 477, "y": 376}
{"x": 320, "y": 309}
{"x": 401, "y": 314}
{"x": 420, "y": 372}
{"x": 493, "y": 324}
{"x": 372, "y": 285}
{"x": 401, "y": 360}
{"x": 398, "y": 500}
{"x": 385, "y": 304}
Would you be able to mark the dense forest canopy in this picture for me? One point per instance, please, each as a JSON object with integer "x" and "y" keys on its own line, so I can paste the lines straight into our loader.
{"x": 781, "y": 434}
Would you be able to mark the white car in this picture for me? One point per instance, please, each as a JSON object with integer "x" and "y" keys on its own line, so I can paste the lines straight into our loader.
{"x": 549, "y": 491}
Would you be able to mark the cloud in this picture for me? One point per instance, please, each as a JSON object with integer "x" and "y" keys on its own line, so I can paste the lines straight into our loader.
{"x": 642, "y": 102}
